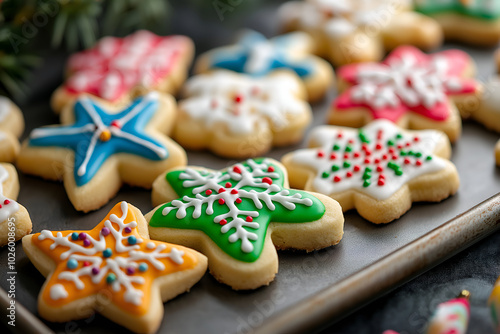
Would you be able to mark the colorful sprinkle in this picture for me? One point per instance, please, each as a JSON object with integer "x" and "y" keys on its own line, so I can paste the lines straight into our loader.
{"x": 132, "y": 240}
{"x": 127, "y": 229}
{"x": 223, "y": 222}
{"x": 110, "y": 278}
{"x": 72, "y": 264}
{"x": 143, "y": 267}
{"x": 107, "y": 252}
{"x": 86, "y": 242}
{"x": 105, "y": 231}
{"x": 95, "y": 271}
{"x": 74, "y": 236}
{"x": 130, "y": 270}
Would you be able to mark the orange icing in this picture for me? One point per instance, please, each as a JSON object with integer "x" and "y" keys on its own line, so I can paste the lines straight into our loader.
{"x": 103, "y": 288}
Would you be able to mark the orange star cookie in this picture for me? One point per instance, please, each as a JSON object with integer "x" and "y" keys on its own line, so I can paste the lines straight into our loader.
{"x": 114, "y": 269}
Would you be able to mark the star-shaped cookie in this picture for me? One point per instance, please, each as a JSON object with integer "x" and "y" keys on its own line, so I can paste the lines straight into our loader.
{"x": 238, "y": 217}
{"x": 410, "y": 88}
{"x": 113, "y": 268}
{"x": 98, "y": 148}
{"x": 239, "y": 116}
{"x": 379, "y": 169}
{"x": 353, "y": 31}
{"x": 255, "y": 55}
{"x": 118, "y": 69}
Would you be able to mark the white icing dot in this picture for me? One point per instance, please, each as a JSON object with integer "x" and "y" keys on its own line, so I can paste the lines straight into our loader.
{"x": 57, "y": 291}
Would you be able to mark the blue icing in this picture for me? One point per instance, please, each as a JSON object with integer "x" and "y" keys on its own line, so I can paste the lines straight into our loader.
{"x": 130, "y": 137}
{"x": 239, "y": 58}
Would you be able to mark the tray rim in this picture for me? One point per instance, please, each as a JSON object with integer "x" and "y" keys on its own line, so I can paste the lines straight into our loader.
{"x": 337, "y": 301}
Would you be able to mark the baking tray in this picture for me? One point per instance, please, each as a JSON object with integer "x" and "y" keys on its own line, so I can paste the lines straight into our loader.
{"x": 310, "y": 289}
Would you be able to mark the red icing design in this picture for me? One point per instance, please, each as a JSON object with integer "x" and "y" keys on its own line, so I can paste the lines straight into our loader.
{"x": 408, "y": 80}
{"x": 116, "y": 65}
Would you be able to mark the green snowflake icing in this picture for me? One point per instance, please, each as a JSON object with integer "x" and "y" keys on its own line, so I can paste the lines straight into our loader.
{"x": 234, "y": 207}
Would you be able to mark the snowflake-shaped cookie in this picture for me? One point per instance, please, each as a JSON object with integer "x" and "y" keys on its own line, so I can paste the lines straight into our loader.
{"x": 113, "y": 268}
{"x": 378, "y": 169}
{"x": 108, "y": 147}
{"x": 238, "y": 116}
{"x": 15, "y": 221}
{"x": 471, "y": 21}
{"x": 255, "y": 55}
{"x": 409, "y": 88}
{"x": 352, "y": 31}
{"x": 116, "y": 69}
{"x": 235, "y": 216}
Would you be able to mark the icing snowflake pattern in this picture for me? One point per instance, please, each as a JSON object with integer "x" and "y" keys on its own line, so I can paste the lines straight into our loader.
{"x": 256, "y": 55}
{"x": 377, "y": 159}
{"x": 236, "y": 205}
{"x": 408, "y": 80}
{"x": 97, "y": 134}
{"x": 116, "y": 257}
{"x": 212, "y": 101}
{"x": 116, "y": 65}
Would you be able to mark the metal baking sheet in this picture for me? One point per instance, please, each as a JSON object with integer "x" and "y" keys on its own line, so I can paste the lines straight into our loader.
{"x": 310, "y": 289}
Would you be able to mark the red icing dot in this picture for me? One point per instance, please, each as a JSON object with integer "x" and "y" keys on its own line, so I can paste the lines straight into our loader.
{"x": 270, "y": 169}
{"x": 234, "y": 191}
{"x": 340, "y": 135}
{"x": 384, "y": 157}
{"x": 238, "y": 98}
{"x": 394, "y": 157}
{"x": 116, "y": 124}
{"x": 348, "y": 174}
{"x": 357, "y": 168}
{"x": 346, "y": 156}
{"x": 356, "y": 154}
{"x": 267, "y": 180}
{"x": 381, "y": 182}
{"x": 416, "y": 139}
{"x": 337, "y": 178}
{"x": 221, "y": 201}
{"x": 378, "y": 147}
{"x": 6, "y": 202}
{"x": 221, "y": 190}
{"x": 380, "y": 169}
{"x": 391, "y": 150}
{"x": 364, "y": 147}
{"x": 418, "y": 163}
{"x": 407, "y": 144}
{"x": 249, "y": 219}
{"x": 377, "y": 160}
{"x": 237, "y": 169}
{"x": 223, "y": 222}
{"x": 367, "y": 161}
{"x": 320, "y": 154}
{"x": 400, "y": 146}
{"x": 228, "y": 184}
{"x": 381, "y": 176}
{"x": 333, "y": 156}
{"x": 350, "y": 141}
{"x": 368, "y": 153}
{"x": 407, "y": 161}
{"x": 238, "y": 200}
{"x": 86, "y": 263}
{"x": 379, "y": 134}
{"x": 208, "y": 192}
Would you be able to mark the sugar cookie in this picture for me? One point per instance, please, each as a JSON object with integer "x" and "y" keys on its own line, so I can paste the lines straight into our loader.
{"x": 15, "y": 221}
{"x": 379, "y": 169}
{"x": 238, "y": 116}
{"x": 351, "y": 31}
{"x": 11, "y": 128}
{"x": 474, "y": 22}
{"x": 113, "y": 269}
{"x": 255, "y": 55}
{"x": 238, "y": 217}
{"x": 119, "y": 69}
{"x": 100, "y": 146}
{"x": 410, "y": 88}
